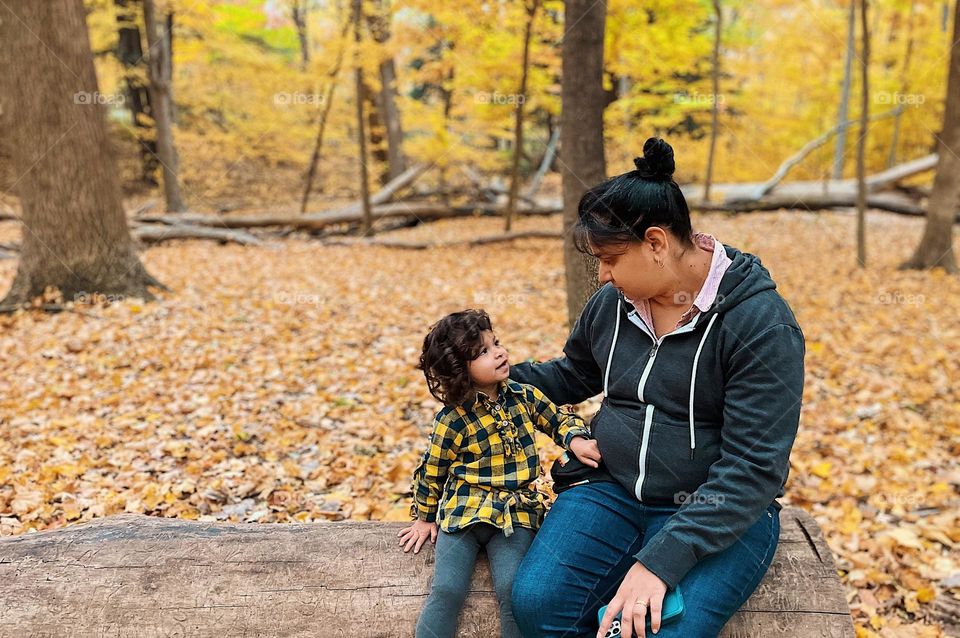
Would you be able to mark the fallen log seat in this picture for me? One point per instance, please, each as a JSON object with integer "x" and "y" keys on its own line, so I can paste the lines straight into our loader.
{"x": 133, "y": 575}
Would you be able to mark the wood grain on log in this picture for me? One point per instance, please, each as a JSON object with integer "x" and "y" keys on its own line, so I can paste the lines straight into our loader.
{"x": 139, "y": 576}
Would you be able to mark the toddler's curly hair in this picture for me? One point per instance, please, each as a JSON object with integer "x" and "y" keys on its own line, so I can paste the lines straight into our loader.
{"x": 448, "y": 348}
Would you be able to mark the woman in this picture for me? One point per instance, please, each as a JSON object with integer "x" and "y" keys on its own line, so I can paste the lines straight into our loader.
{"x": 700, "y": 362}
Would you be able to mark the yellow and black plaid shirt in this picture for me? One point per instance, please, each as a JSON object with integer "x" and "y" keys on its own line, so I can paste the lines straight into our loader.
{"x": 482, "y": 460}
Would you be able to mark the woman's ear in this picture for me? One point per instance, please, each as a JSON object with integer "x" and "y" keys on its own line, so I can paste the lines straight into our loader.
{"x": 657, "y": 243}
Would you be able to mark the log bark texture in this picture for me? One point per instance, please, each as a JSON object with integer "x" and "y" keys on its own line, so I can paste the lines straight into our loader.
{"x": 133, "y": 575}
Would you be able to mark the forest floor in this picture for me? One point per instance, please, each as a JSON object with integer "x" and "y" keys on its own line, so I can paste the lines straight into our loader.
{"x": 277, "y": 383}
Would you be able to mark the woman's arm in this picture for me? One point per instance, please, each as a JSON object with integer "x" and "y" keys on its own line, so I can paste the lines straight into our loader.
{"x": 572, "y": 378}
{"x": 559, "y": 426}
{"x": 761, "y": 413}
{"x": 431, "y": 474}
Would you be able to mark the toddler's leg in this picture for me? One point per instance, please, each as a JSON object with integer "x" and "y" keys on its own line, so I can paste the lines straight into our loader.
{"x": 505, "y": 555}
{"x": 455, "y": 556}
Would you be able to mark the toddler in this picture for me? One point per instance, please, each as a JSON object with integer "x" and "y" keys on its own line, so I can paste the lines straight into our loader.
{"x": 475, "y": 481}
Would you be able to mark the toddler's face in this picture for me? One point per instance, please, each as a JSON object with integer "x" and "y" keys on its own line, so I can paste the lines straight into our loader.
{"x": 492, "y": 365}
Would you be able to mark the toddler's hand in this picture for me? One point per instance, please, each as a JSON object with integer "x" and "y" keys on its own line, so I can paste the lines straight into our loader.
{"x": 586, "y": 450}
{"x": 416, "y": 535}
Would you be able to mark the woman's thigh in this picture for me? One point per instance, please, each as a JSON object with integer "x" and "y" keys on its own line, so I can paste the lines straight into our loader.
{"x": 716, "y": 587}
{"x": 577, "y": 560}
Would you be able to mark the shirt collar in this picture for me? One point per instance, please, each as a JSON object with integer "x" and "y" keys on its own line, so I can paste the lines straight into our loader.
{"x": 718, "y": 265}
{"x": 507, "y": 385}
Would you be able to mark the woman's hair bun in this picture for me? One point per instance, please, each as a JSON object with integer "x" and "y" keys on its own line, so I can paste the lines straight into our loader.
{"x": 657, "y": 161}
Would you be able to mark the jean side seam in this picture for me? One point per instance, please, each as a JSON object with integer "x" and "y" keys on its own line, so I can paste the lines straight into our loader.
{"x": 767, "y": 558}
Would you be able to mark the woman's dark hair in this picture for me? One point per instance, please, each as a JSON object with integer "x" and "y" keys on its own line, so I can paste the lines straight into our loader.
{"x": 450, "y": 345}
{"x": 621, "y": 209}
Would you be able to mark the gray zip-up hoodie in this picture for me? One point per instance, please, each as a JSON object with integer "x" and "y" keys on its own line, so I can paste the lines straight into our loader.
{"x": 705, "y": 415}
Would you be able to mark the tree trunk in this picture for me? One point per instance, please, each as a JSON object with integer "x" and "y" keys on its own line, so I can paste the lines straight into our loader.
{"x": 386, "y": 99}
{"x": 130, "y": 55}
{"x": 862, "y": 139}
{"x": 161, "y": 84}
{"x": 375, "y": 131}
{"x": 387, "y": 102}
{"x": 904, "y": 88}
{"x": 581, "y": 135}
{"x": 549, "y": 155}
{"x": 936, "y": 245}
{"x": 361, "y": 129}
{"x": 299, "y": 12}
{"x": 840, "y": 148}
{"x": 518, "y": 116}
{"x": 75, "y": 235}
{"x": 324, "y": 116}
{"x": 718, "y": 12}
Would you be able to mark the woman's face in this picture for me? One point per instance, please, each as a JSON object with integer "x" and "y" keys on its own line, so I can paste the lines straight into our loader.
{"x": 632, "y": 267}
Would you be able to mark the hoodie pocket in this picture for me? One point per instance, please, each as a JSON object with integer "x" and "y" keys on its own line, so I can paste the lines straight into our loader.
{"x": 619, "y": 436}
{"x": 671, "y": 475}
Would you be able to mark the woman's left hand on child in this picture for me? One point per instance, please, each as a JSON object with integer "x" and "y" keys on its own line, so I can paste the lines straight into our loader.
{"x": 586, "y": 450}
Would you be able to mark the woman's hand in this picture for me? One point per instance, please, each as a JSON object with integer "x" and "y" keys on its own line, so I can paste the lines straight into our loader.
{"x": 416, "y": 535}
{"x": 586, "y": 450}
{"x": 639, "y": 584}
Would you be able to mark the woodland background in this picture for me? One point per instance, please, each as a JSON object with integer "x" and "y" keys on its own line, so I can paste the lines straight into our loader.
{"x": 269, "y": 374}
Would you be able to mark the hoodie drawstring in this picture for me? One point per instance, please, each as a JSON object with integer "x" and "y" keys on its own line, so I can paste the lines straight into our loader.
{"x": 613, "y": 345}
{"x": 693, "y": 375}
{"x": 693, "y": 383}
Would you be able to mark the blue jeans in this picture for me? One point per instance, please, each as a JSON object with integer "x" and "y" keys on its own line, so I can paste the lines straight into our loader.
{"x": 586, "y": 545}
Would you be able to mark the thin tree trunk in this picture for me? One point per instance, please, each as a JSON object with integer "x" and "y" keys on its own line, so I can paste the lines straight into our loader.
{"x": 518, "y": 119}
{"x": 581, "y": 135}
{"x": 840, "y": 148}
{"x": 862, "y": 139}
{"x": 130, "y": 55}
{"x": 386, "y": 98}
{"x": 161, "y": 84}
{"x": 324, "y": 116}
{"x": 447, "y": 94}
{"x": 300, "y": 12}
{"x": 75, "y": 235}
{"x": 904, "y": 88}
{"x": 361, "y": 128}
{"x": 375, "y": 131}
{"x": 387, "y": 101}
{"x": 714, "y": 123}
{"x": 548, "y": 158}
{"x": 936, "y": 245}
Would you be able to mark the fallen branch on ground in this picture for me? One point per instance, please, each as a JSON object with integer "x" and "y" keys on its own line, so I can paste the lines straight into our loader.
{"x": 319, "y": 221}
{"x": 156, "y": 234}
{"x": 423, "y": 245}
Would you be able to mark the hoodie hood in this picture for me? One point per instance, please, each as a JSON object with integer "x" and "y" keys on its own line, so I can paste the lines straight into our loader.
{"x": 744, "y": 278}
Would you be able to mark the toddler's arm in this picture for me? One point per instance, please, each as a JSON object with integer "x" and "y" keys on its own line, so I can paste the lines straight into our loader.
{"x": 431, "y": 474}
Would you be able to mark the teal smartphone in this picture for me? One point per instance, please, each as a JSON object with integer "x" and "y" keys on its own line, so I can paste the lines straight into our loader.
{"x": 672, "y": 610}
